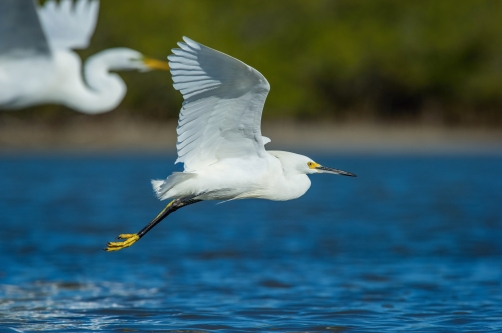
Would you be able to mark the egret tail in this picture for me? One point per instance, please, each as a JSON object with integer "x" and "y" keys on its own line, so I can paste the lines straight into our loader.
{"x": 130, "y": 239}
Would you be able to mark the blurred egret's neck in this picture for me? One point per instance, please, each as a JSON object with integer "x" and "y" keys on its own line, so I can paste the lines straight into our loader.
{"x": 101, "y": 91}
{"x": 107, "y": 88}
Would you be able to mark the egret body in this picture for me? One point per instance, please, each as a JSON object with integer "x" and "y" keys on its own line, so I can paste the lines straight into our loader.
{"x": 220, "y": 141}
{"x": 38, "y": 65}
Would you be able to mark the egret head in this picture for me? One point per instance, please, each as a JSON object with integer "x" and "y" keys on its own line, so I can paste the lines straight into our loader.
{"x": 122, "y": 58}
{"x": 317, "y": 168}
{"x": 292, "y": 162}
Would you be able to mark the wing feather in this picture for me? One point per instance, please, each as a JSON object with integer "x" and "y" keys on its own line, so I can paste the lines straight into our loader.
{"x": 222, "y": 108}
{"x": 69, "y": 24}
{"x": 21, "y": 34}
{"x": 187, "y": 55}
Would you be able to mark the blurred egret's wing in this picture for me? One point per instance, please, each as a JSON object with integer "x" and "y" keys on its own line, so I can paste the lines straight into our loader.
{"x": 68, "y": 24}
{"x": 20, "y": 32}
{"x": 221, "y": 114}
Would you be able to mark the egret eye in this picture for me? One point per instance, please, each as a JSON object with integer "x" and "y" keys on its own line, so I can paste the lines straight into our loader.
{"x": 312, "y": 165}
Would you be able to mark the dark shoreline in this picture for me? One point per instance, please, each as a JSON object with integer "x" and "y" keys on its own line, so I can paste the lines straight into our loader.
{"x": 130, "y": 135}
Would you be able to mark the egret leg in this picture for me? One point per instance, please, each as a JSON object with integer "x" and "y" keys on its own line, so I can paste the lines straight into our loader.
{"x": 130, "y": 239}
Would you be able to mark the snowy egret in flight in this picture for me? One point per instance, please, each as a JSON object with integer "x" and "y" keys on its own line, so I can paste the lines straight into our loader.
{"x": 220, "y": 141}
{"x": 37, "y": 64}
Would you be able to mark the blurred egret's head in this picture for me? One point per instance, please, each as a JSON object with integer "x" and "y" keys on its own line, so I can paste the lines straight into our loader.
{"x": 122, "y": 59}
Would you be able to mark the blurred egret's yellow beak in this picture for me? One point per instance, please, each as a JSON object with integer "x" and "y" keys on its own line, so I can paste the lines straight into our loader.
{"x": 156, "y": 64}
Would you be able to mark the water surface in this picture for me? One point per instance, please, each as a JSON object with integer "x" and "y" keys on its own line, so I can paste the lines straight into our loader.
{"x": 412, "y": 244}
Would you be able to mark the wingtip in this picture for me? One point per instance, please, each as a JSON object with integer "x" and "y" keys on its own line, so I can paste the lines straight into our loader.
{"x": 94, "y": 4}
{"x": 191, "y": 43}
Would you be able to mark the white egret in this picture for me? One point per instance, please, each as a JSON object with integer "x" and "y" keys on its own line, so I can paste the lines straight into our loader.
{"x": 38, "y": 66}
{"x": 219, "y": 139}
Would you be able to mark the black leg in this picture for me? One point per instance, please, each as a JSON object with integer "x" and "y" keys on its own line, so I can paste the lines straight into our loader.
{"x": 170, "y": 208}
{"x": 130, "y": 239}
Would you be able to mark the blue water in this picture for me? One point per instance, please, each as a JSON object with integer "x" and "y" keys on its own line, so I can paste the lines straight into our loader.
{"x": 413, "y": 244}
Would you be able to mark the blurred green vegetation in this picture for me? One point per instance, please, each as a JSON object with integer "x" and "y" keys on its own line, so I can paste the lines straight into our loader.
{"x": 346, "y": 60}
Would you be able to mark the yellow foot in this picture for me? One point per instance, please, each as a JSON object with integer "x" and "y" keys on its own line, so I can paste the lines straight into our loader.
{"x": 130, "y": 239}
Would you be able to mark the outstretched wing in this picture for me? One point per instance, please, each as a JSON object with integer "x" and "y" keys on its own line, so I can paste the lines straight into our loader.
{"x": 221, "y": 114}
{"x": 20, "y": 32}
{"x": 69, "y": 24}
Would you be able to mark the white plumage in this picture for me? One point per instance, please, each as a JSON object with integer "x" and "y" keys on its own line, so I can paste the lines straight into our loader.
{"x": 38, "y": 65}
{"x": 221, "y": 114}
{"x": 69, "y": 25}
{"x": 220, "y": 141}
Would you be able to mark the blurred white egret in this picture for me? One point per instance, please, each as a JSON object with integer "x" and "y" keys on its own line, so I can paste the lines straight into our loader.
{"x": 219, "y": 138}
{"x": 37, "y": 64}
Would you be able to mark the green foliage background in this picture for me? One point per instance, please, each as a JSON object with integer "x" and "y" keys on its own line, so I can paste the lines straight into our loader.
{"x": 427, "y": 60}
